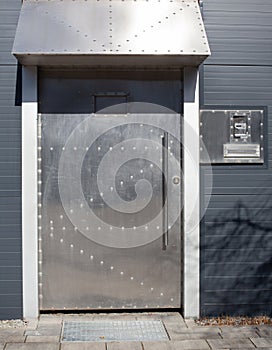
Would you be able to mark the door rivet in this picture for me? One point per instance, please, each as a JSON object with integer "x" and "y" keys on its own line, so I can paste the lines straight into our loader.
{"x": 176, "y": 180}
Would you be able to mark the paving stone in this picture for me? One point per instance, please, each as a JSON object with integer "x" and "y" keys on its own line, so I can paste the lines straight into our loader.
{"x": 49, "y": 318}
{"x": 176, "y": 332}
{"x": 237, "y": 329}
{"x": 79, "y": 318}
{"x": 262, "y": 342}
{"x": 2, "y": 346}
{"x": 193, "y": 336}
{"x": 5, "y": 332}
{"x": 167, "y": 316}
{"x": 42, "y": 339}
{"x": 50, "y": 322}
{"x": 241, "y": 334}
{"x": 173, "y": 317}
{"x": 124, "y": 346}
{"x": 32, "y": 332}
{"x": 230, "y": 343}
{"x": 12, "y": 339}
{"x": 83, "y": 346}
{"x": 190, "y": 322}
{"x": 49, "y": 330}
{"x": 115, "y": 316}
{"x": 178, "y": 325}
{"x": 31, "y": 346}
{"x": 265, "y": 331}
{"x": 204, "y": 330}
{"x": 177, "y": 345}
{"x": 155, "y": 345}
{"x": 32, "y": 324}
{"x": 250, "y": 348}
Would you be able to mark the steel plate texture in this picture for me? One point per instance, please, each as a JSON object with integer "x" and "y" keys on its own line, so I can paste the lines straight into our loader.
{"x": 109, "y": 211}
{"x": 109, "y": 32}
{"x": 106, "y": 331}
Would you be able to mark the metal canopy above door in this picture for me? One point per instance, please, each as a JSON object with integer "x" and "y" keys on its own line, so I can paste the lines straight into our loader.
{"x": 111, "y": 33}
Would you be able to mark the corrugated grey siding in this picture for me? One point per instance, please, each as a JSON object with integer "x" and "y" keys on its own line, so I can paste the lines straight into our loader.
{"x": 10, "y": 169}
{"x": 236, "y": 232}
{"x": 239, "y": 31}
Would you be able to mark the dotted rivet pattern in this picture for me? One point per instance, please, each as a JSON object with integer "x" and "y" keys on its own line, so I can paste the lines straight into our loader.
{"x": 173, "y": 27}
{"x": 114, "y": 331}
{"x": 61, "y": 240}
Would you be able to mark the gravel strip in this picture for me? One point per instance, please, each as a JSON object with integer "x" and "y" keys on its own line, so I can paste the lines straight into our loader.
{"x": 12, "y": 324}
{"x": 234, "y": 321}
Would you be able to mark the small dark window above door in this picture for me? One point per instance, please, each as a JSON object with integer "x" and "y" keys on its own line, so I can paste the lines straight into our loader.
{"x": 110, "y": 102}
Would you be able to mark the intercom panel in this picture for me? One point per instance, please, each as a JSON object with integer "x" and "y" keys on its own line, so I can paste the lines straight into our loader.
{"x": 232, "y": 136}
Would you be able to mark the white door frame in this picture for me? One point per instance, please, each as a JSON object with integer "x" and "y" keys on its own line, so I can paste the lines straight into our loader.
{"x": 191, "y": 277}
{"x": 29, "y": 192}
{"x": 31, "y": 255}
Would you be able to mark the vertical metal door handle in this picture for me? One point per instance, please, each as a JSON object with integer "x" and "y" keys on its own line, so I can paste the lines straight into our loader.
{"x": 164, "y": 190}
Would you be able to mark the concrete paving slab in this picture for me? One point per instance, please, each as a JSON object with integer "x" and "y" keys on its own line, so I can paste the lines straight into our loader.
{"x": 83, "y": 346}
{"x": 265, "y": 331}
{"x": 176, "y": 332}
{"x": 238, "y": 329}
{"x": 2, "y": 346}
{"x": 78, "y": 317}
{"x": 49, "y": 330}
{"x": 194, "y": 336}
{"x": 32, "y": 324}
{"x": 50, "y": 317}
{"x": 50, "y": 322}
{"x": 177, "y": 345}
{"x": 190, "y": 323}
{"x": 198, "y": 329}
{"x": 124, "y": 346}
{"x": 167, "y": 316}
{"x": 242, "y": 334}
{"x": 43, "y": 339}
{"x": 13, "y": 339}
{"x": 230, "y": 343}
{"x": 32, "y": 332}
{"x": 11, "y": 331}
{"x": 115, "y": 316}
{"x": 31, "y": 346}
{"x": 262, "y": 342}
{"x": 155, "y": 345}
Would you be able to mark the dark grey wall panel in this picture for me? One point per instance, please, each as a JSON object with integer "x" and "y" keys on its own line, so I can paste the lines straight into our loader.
{"x": 236, "y": 234}
{"x": 7, "y": 257}
{"x": 12, "y": 299}
{"x": 229, "y": 255}
{"x": 239, "y": 32}
{"x": 9, "y": 13}
{"x": 236, "y": 231}
{"x": 9, "y": 273}
{"x": 5, "y": 289}
{"x": 10, "y": 169}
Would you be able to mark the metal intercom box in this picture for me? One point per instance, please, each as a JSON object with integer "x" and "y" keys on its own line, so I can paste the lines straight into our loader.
{"x": 232, "y": 136}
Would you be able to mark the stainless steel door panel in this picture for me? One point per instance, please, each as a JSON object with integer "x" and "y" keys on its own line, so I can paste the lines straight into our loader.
{"x": 110, "y": 227}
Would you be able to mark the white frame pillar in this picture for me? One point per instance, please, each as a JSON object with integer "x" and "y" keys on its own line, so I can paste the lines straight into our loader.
{"x": 191, "y": 276}
{"x": 29, "y": 192}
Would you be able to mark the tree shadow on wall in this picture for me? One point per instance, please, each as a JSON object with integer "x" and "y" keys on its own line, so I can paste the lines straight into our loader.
{"x": 237, "y": 260}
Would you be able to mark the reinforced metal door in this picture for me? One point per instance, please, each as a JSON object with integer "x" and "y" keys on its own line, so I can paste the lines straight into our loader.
{"x": 110, "y": 209}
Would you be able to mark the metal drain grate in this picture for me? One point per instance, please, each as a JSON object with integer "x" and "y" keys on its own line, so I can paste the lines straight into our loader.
{"x": 114, "y": 331}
